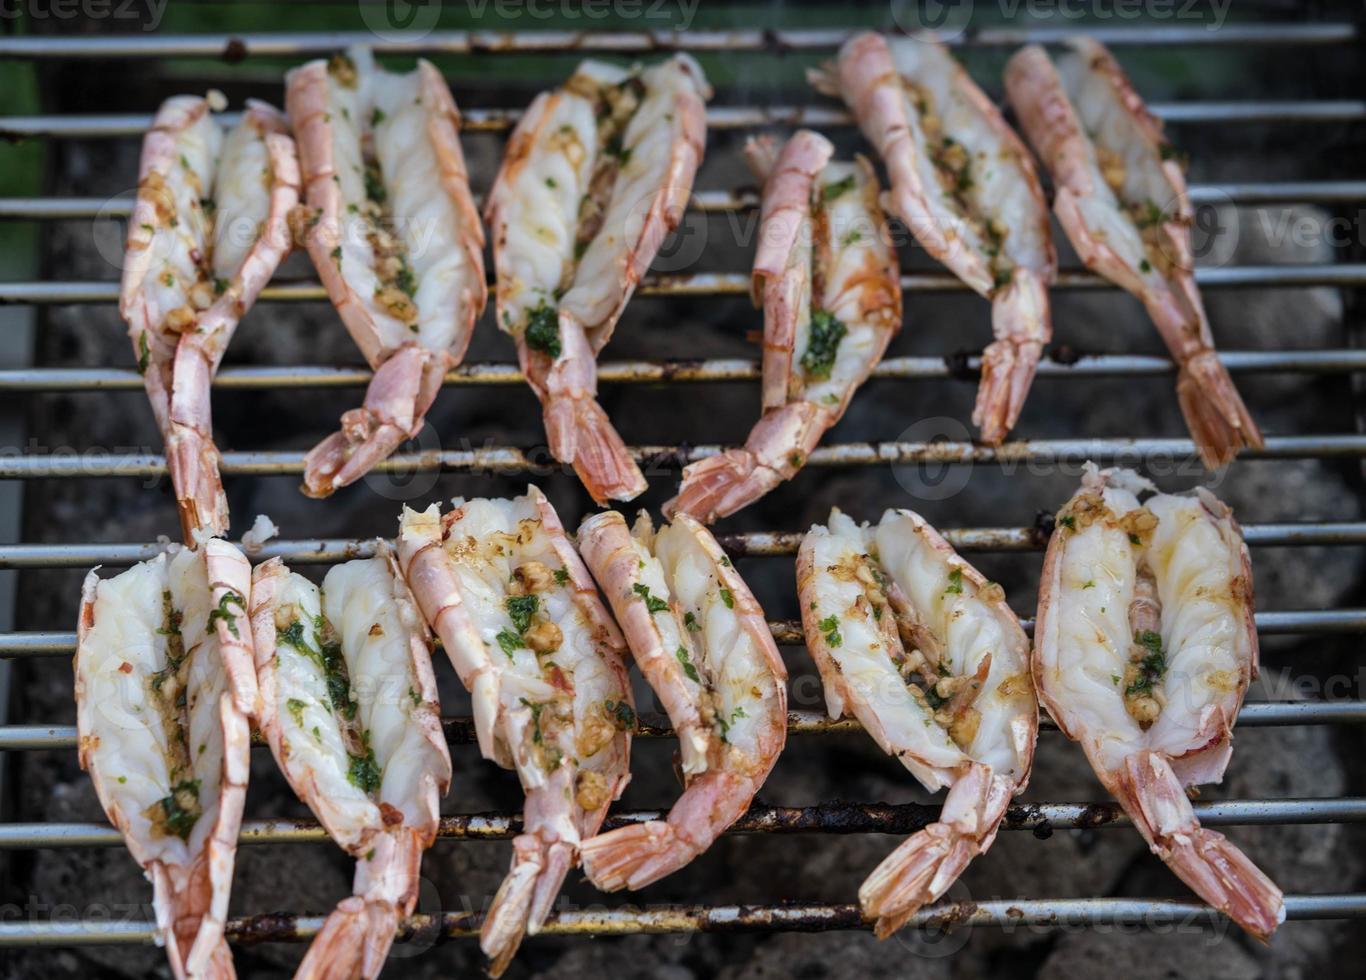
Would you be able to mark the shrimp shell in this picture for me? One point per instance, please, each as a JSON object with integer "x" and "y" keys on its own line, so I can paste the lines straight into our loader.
{"x": 385, "y": 829}
{"x": 1206, "y": 653}
{"x": 1070, "y": 113}
{"x": 866, "y": 591}
{"x": 703, "y": 644}
{"x": 548, "y": 267}
{"x": 190, "y": 273}
{"x": 895, "y": 89}
{"x": 495, "y": 578}
{"x": 340, "y": 109}
{"x": 824, "y": 248}
{"x": 123, "y": 638}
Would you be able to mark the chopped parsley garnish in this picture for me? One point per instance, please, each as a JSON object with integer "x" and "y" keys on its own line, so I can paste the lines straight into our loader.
{"x": 374, "y": 186}
{"x": 1151, "y": 667}
{"x": 831, "y": 191}
{"x": 551, "y": 183}
{"x": 830, "y": 626}
{"x": 222, "y": 613}
{"x": 620, "y": 714}
{"x": 220, "y": 286}
{"x": 690, "y": 621}
{"x": 181, "y": 809}
{"x": 561, "y": 576}
{"x": 652, "y": 602}
{"x": 682, "y": 654}
{"x": 405, "y": 280}
{"x": 376, "y": 117}
{"x": 727, "y": 597}
{"x": 1145, "y": 266}
{"x": 934, "y": 699}
{"x": 826, "y": 333}
{"x": 521, "y": 608}
{"x": 543, "y": 330}
{"x": 296, "y": 710}
{"x": 144, "y": 353}
{"x": 955, "y": 586}
{"x": 851, "y": 238}
{"x": 509, "y": 641}
{"x": 363, "y": 772}
{"x": 1068, "y": 522}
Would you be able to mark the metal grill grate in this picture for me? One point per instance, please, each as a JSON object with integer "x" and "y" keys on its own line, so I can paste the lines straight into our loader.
{"x": 826, "y": 818}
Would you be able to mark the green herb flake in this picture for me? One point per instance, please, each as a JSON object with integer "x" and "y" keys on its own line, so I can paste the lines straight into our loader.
{"x": 543, "y": 330}
{"x": 690, "y": 621}
{"x": 561, "y": 576}
{"x": 1068, "y": 521}
{"x": 728, "y": 597}
{"x": 955, "y": 586}
{"x": 180, "y": 809}
{"x": 296, "y": 710}
{"x": 840, "y": 187}
{"x": 376, "y": 117}
{"x": 1145, "y": 266}
{"x": 652, "y": 602}
{"x": 830, "y": 626}
{"x": 230, "y": 618}
{"x": 823, "y": 344}
{"x": 363, "y": 773}
{"x": 621, "y": 714}
{"x": 682, "y": 654}
{"x": 144, "y": 353}
{"x": 521, "y": 608}
{"x": 551, "y": 183}
{"x": 509, "y": 641}
{"x": 1152, "y": 666}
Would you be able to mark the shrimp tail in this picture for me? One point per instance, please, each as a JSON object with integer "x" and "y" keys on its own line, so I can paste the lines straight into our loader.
{"x": 355, "y": 939}
{"x": 580, "y": 433}
{"x": 353, "y": 942}
{"x": 576, "y": 427}
{"x": 929, "y": 861}
{"x": 1152, "y": 794}
{"x": 1020, "y": 322}
{"x": 640, "y": 854}
{"x": 524, "y": 898}
{"x": 401, "y": 391}
{"x": 779, "y": 444}
{"x": 1218, "y": 420}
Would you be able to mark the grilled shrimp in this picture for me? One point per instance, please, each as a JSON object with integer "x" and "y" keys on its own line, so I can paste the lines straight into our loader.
{"x": 926, "y": 654}
{"x": 1121, "y": 198}
{"x": 523, "y": 624}
{"x": 826, "y": 276}
{"x": 1144, "y": 648}
{"x": 164, "y": 693}
{"x": 966, "y": 187}
{"x": 349, "y": 707}
{"x": 596, "y": 175}
{"x": 207, "y": 231}
{"x": 704, "y": 646}
{"x": 395, "y": 236}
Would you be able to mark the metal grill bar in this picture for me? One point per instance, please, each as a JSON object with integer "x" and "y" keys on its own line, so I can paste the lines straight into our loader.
{"x": 737, "y": 284}
{"x": 236, "y": 47}
{"x": 318, "y": 551}
{"x": 1342, "y": 361}
{"x": 660, "y": 919}
{"x": 508, "y": 461}
{"x": 76, "y": 126}
{"x": 712, "y": 202}
{"x": 460, "y": 730}
{"x": 825, "y": 818}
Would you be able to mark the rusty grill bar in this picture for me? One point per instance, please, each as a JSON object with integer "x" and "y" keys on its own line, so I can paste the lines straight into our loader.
{"x": 835, "y": 818}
